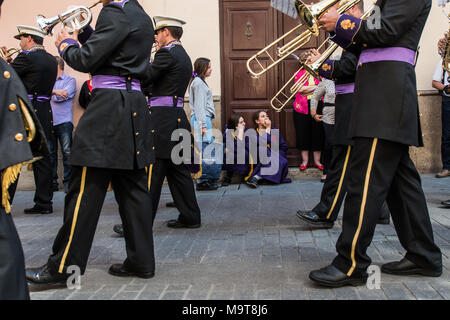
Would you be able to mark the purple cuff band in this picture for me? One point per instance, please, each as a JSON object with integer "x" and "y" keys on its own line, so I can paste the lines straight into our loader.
{"x": 326, "y": 70}
{"x": 114, "y": 82}
{"x": 39, "y": 98}
{"x": 388, "y": 54}
{"x": 345, "y": 30}
{"x": 345, "y": 88}
{"x": 65, "y": 44}
{"x": 166, "y": 101}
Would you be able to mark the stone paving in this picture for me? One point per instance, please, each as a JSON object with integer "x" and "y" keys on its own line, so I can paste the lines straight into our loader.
{"x": 251, "y": 246}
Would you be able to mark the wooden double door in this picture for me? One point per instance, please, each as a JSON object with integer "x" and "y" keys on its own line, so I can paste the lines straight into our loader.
{"x": 247, "y": 27}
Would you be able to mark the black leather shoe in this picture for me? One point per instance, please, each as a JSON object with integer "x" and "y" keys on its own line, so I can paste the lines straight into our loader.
{"x": 37, "y": 210}
{"x": 171, "y": 205}
{"x": 44, "y": 276}
{"x": 384, "y": 221}
{"x": 177, "y": 225}
{"x": 330, "y": 276}
{"x": 119, "y": 270}
{"x": 312, "y": 218}
{"x": 405, "y": 267}
{"x": 446, "y": 203}
{"x": 118, "y": 228}
{"x": 206, "y": 186}
{"x": 252, "y": 182}
{"x": 226, "y": 182}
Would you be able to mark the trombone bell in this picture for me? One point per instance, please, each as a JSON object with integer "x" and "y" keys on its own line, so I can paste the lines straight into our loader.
{"x": 310, "y": 14}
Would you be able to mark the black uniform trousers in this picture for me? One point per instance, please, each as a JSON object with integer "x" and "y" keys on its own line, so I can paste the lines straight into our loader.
{"x": 42, "y": 169}
{"x": 83, "y": 203}
{"x": 382, "y": 170}
{"x": 13, "y": 285}
{"x": 181, "y": 187}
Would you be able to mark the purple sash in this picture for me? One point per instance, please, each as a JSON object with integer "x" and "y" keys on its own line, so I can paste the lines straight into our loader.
{"x": 39, "y": 98}
{"x": 388, "y": 54}
{"x": 165, "y": 101}
{"x": 114, "y": 82}
{"x": 345, "y": 88}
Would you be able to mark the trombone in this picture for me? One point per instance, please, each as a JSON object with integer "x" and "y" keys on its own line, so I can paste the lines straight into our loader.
{"x": 9, "y": 52}
{"x": 280, "y": 100}
{"x": 309, "y": 14}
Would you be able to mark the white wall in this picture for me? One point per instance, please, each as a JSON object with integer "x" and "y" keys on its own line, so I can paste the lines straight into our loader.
{"x": 201, "y": 36}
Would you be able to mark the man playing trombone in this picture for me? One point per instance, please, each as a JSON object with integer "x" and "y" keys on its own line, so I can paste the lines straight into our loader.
{"x": 112, "y": 143}
{"x": 343, "y": 72}
{"x": 384, "y": 123}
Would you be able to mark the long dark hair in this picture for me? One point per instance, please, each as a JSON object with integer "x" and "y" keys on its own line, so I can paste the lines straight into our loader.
{"x": 256, "y": 117}
{"x": 200, "y": 67}
{"x": 233, "y": 121}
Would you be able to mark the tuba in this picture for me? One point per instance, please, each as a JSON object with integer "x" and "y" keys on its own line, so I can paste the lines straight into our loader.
{"x": 309, "y": 14}
{"x": 281, "y": 99}
{"x": 9, "y": 53}
{"x": 74, "y": 19}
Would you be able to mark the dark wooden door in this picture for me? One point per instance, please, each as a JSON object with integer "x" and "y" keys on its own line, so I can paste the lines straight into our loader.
{"x": 246, "y": 27}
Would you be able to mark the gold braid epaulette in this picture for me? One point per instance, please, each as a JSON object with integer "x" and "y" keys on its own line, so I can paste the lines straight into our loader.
{"x": 10, "y": 176}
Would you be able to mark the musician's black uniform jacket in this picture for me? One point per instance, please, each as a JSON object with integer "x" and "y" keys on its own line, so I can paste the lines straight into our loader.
{"x": 394, "y": 114}
{"x": 14, "y": 150}
{"x": 38, "y": 69}
{"x": 341, "y": 71}
{"x": 168, "y": 75}
{"x": 106, "y": 134}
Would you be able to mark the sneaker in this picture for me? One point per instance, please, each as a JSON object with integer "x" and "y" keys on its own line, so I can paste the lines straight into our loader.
{"x": 252, "y": 182}
{"x": 206, "y": 186}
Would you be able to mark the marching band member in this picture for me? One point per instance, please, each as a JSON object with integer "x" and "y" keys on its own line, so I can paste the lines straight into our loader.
{"x": 384, "y": 123}
{"x": 118, "y": 151}
{"x": 168, "y": 77}
{"x": 38, "y": 69}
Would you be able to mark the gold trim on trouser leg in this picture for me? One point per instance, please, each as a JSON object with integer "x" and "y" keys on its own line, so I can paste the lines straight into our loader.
{"x": 341, "y": 181}
{"x": 150, "y": 177}
{"x": 363, "y": 206}
{"x": 251, "y": 168}
{"x": 74, "y": 221}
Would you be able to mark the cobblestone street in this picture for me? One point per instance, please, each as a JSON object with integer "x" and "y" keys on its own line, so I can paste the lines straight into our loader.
{"x": 250, "y": 246}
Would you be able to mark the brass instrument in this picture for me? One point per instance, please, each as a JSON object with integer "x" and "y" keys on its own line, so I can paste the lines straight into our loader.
{"x": 280, "y": 100}
{"x": 9, "y": 53}
{"x": 74, "y": 19}
{"x": 309, "y": 14}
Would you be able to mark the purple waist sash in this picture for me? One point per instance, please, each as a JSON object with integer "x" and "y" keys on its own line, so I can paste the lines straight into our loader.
{"x": 388, "y": 54}
{"x": 39, "y": 98}
{"x": 165, "y": 101}
{"x": 114, "y": 82}
{"x": 345, "y": 88}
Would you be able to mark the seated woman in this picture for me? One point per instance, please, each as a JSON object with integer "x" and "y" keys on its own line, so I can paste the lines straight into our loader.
{"x": 233, "y": 166}
{"x": 274, "y": 149}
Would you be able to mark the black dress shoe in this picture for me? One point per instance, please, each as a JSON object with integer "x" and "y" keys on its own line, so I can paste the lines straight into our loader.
{"x": 119, "y": 270}
{"x": 406, "y": 267}
{"x": 171, "y": 204}
{"x": 44, "y": 276}
{"x": 118, "y": 228}
{"x": 206, "y": 186}
{"x": 37, "y": 210}
{"x": 252, "y": 182}
{"x": 446, "y": 203}
{"x": 332, "y": 277}
{"x": 177, "y": 225}
{"x": 312, "y": 218}
{"x": 384, "y": 221}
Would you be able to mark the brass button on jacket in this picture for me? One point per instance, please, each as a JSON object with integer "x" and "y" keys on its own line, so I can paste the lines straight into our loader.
{"x": 6, "y": 75}
{"x": 19, "y": 137}
{"x": 12, "y": 107}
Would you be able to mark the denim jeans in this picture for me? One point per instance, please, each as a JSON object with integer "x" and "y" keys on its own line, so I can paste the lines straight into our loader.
{"x": 63, "y": 134}
{"x": 445, "y": 145}
{"x": 212, "y": 160}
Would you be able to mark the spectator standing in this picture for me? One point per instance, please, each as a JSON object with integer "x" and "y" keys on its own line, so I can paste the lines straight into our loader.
{"x": 62, "y": 103}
